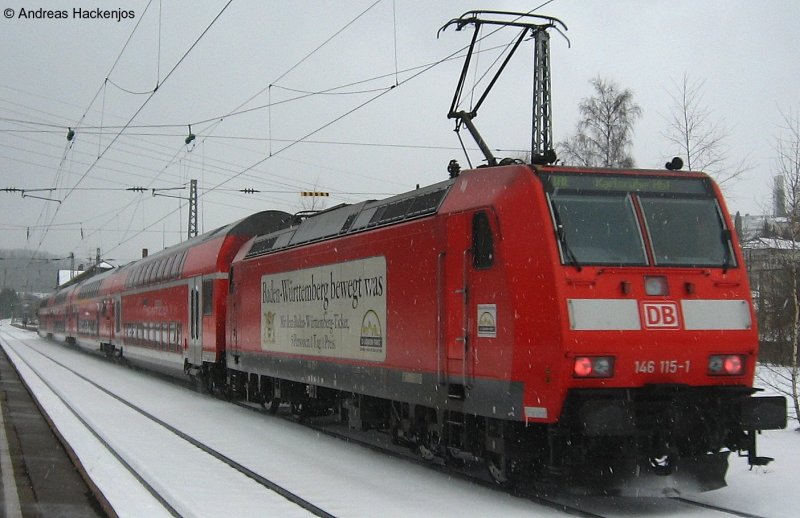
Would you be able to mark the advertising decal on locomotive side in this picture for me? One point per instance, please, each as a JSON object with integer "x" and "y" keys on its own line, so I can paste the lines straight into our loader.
{"x": 337, "y": 310}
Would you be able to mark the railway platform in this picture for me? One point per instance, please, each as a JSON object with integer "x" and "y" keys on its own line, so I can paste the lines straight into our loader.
{"x": 38, "y": 478}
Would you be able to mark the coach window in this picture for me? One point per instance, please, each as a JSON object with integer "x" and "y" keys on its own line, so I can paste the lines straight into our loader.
{"x": 175, "y": 329}
{"x": 176, "y": 266}
{"x": 148, "y": 269}
{"x": 164, "y": 336}
{"x": 482, "y": 241}
{"x": 162, "y": 266}
{"x": 168, "y": 268}
{"x": 208, "y": 296}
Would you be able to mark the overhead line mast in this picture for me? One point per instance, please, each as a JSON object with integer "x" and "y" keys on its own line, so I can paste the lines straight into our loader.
{"x": 535, "y": 26}
{"x": 192, "y": 209}
{"x": 542, "y": 146}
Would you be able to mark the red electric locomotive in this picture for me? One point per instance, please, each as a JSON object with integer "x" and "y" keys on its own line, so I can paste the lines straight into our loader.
{"x": 561, "y": 321}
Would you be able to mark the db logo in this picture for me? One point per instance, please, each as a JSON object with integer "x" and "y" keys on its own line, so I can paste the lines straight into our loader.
{"x": 660, "y": 315}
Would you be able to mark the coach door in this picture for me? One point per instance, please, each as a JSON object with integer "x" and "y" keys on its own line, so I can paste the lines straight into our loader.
{"x": 195, "y": 353}
{"x": 454, "y": 264}
{"x": 469, "y": 292}
{"x": 232, "y": 339}
{"x": 117, "y": 310}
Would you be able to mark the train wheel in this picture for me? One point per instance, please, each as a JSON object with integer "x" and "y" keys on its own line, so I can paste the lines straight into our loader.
{"x": 663, "y": 465}
{"x": 199, "y": 384}
{"x": 272, "y": 405}
{"x": 426, "y": 433}
{"x": 260, "y": 398}
{"x": 299, "y": 410}
{"x": 501, "y": 469}
{"x": 228, "y": 393}
{"x": 454, "y": 457}
{"x": 425, "y": 453}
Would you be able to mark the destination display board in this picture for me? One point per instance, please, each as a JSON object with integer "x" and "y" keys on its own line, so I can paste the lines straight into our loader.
{"x": 625, "y": 183}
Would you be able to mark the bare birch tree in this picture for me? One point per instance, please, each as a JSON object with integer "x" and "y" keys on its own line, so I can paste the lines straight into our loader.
{"x": 604, "y": 134}
{"x": 696, "y": 136}
{"x": 787, "y": 166}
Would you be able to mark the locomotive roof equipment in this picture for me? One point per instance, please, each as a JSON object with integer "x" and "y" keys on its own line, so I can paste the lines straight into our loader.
{"x": 536, "y": 26}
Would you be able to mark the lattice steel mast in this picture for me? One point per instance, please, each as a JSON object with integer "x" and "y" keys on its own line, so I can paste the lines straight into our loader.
{"x": 542, "y": 125}
{"x": 542, "y": 151}
{"x": 192, "y": 209}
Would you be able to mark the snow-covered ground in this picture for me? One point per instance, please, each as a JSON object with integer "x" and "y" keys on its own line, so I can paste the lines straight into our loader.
{"x": 772, "y": 490}
{"x": 348, "y": 480}
{"x": 341, "y": 478}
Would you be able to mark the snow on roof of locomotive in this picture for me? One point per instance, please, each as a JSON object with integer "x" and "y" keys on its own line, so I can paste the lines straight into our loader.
{"x": 348, "y": 219}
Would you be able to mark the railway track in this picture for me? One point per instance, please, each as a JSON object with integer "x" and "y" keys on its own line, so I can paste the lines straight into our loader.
{"x": 719, "y": 509}
{"x": 173, "y": 504}
{"x": 583, "y": 506}
{"x": 167, "y": 495}
{"x": 381, "y": 442}
{"x": 297, "y": 453}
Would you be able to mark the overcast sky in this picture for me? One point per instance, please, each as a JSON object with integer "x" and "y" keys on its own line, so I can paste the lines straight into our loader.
{"x": 363, "y": 138}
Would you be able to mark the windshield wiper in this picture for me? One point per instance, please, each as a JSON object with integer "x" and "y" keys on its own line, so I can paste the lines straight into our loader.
{"x": 568, "y": 253}
{"x": 728, "y": 244}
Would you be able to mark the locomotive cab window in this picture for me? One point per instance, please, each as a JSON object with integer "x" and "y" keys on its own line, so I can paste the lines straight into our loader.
{"x": 482, "y": 241}
{"x": 687, "y": 232}
{"x": 632, "y": 220}
{"x": 597, "y": 229}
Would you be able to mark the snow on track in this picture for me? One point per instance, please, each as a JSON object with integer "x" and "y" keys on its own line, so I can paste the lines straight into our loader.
{"x": 343, "y": 479}
{"x": 178, "y": 472}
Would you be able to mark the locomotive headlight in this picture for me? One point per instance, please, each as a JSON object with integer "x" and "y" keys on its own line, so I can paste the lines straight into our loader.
{"x": 726, "y": 365}
{"x": 656, "y": 285}
{"x": 593, "y": 367}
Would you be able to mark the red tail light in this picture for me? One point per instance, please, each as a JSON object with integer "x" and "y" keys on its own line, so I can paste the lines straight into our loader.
{"x": 593, "y": 367}
{"x": 726, "y": 365}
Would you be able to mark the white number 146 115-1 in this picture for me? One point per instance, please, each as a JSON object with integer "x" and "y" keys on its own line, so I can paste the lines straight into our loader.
{"x": 661, "y": 366}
